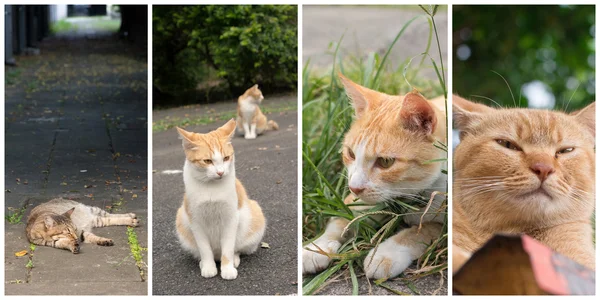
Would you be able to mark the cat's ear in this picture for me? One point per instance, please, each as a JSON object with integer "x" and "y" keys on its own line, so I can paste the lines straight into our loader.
{"x": 465, "y": 113}
{"x": 587, "y": 117}
{"x": 226, "y": 131}
{"x": 255, "y": 86}
{"x": 359, "y": 96}
{"x": 49, "y": 222}
{"x": 69, "y": 212}
{"x": 187, "y": 138}
{"x": 417, "y": 114}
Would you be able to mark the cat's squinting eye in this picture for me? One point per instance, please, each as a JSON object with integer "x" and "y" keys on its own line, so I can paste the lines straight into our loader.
{"x": 226, "y": 158}
{"x": 385, "y": 162}
{"x": 208, "y": 161}
{"x": 565, "y": 150}
{"x": 350, "y": 153}
{"x": 509, "y": 145}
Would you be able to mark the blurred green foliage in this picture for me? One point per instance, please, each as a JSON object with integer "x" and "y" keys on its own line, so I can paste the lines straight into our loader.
{"x": 231, "y": 45}
{"x": 552, "y": 44}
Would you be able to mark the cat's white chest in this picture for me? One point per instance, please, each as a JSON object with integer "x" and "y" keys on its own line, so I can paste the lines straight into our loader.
{"x": 247, "y": 109}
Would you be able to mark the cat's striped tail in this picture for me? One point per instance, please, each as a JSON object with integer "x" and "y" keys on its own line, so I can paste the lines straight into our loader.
{"x": 272, "y": 125}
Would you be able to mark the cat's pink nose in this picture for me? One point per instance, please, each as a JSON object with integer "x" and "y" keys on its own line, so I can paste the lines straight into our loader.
{"x": 356, "y": 191}
{"x": 220, "y": 173}
{"x": 542, "y": 170}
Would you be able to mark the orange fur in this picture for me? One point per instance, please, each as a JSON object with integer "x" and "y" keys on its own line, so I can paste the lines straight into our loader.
{"x": 249, "y": 112}
{"x": 498, "y": 188}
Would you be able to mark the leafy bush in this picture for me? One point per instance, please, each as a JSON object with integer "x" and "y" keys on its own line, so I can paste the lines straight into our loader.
{"x": 239, "y": 44}
{"x": 552, "y": 44}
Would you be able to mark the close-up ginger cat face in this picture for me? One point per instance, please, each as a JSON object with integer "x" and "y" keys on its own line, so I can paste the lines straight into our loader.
{"x": 212, "y": 153}
{"x": 388, "y": 145}
{"x": 526, "y": 165}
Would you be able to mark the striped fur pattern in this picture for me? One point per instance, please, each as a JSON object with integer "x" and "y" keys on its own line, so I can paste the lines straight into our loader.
{"x": 386, "y": 152}
{"x": 251, "y": 122}
{"x": 524, "y": 171}
{"x": 62, "y": 224}
{"x": 216, "y": 221}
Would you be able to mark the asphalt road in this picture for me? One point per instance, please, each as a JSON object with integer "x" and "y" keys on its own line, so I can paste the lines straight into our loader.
{"x": 369, "y": 29}
{"x": 267, "y": 166}
{"x": 76, "y": 127}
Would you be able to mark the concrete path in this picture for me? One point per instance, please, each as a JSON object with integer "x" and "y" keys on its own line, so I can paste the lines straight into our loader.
{"x": 76, "y": 127}
{"x": 267, "y": 166}
{"x": 369, "y": 29}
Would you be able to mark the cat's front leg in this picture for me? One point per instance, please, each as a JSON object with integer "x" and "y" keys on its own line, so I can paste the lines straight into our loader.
{"x": 250, "y": 131}
{"x": 396, "y": 253}
{"x": 228, "y": 268}
{"x": 330, "y": 241}
{"x": 208, "y": 267}
{"x": 247, "y": 131}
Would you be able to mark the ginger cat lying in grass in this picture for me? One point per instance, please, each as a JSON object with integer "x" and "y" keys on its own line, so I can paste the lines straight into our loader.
{"x": 525, "y": 171}
{"x": 216, "y": 220}
{"x": 386, "y": 152}
{"x": 251, "y": 121}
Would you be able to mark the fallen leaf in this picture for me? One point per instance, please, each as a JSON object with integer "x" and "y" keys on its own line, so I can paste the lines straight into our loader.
{"x": 134, "y": 196}
{"x": 63, "y": 183}
{"x": 278, "y": 182}
{"x": 21, "y": 253}
{"x": 82, "y": 171}
{"x": 264, "y": 245}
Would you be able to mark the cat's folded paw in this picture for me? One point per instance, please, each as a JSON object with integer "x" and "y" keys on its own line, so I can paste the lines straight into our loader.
{"x": 132, "y": 215}
{"x": 135, "y": 223}
{"x": 106, "y": 242}
{"x": 229, "y": 272}
{"x": 388, "y": 261}
{"x": 208, "y": 270}
{"x": 313, "y": 262}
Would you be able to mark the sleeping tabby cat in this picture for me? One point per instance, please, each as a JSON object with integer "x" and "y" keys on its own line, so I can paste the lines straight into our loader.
{"x": 62, "y": 224}
{"x": 524, "y": 171}
{"x": 250, "y": 120}
{"x": 386, "y": 152}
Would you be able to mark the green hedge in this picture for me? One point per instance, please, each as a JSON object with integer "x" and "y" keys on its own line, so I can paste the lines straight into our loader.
{"x": 238, "y": 44}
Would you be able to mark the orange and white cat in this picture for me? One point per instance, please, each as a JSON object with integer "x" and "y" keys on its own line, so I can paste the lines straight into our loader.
{"x": 250, "y": 120}
{"x": 216, "y": 220}
{"x": 386, "y": 152}
{"x": 524, "y": 171}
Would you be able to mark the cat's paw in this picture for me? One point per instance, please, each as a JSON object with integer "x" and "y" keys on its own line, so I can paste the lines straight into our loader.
{"x": 313, "y": 262}
{"x": 388, "y": 261}
{"x": 208, "y": 270}
{"x": 134, "y": 222}
{"x": 106, "y": 242}
{"x": 236, "y": 260}
{"x": 250, "y": 136}
{"x": 229, "y": 272}
{"x": 132, "y": 215}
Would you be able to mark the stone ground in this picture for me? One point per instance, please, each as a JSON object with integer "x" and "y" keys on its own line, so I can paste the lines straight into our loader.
{"x": 267, "y": 166}
{"x": 76, "y": 127}
{"x": 369, "y": 29}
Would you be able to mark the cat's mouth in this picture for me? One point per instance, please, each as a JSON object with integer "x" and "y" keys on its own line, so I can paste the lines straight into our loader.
{"x": 537, "y": 193}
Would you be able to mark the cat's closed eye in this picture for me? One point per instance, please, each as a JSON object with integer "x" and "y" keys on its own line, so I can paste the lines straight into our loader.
{"x": 508, "y": 144}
